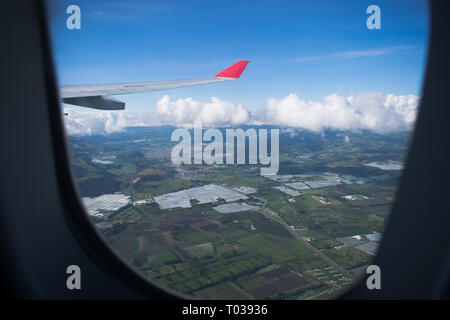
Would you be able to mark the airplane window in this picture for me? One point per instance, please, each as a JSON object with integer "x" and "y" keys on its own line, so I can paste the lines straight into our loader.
{"x": 240, "y": 149}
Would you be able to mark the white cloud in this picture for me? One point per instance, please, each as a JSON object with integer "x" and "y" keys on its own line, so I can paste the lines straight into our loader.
{"x": 405, "y": 105}
{"x": 359, "y": 53}
{"x": 89, "y": 123}
{"x": 366, "y": 110}
{"x": 214, "y": 113}
{"x": 182, "y": 112}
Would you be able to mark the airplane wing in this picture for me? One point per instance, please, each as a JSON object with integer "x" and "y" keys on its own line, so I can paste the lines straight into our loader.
{"x": 99, "y": 96}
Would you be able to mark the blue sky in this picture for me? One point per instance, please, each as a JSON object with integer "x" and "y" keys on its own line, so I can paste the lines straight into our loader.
{"x": 311, "y": 48}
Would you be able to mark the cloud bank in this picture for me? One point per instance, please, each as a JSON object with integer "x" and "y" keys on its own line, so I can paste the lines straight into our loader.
{"x": 82, "y": 123}
{"x": 366, "y": 110}
{"x": 216, "y": 112}
{"x": 182, "y": 112}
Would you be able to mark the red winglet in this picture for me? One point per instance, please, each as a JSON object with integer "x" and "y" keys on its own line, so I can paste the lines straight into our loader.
{"x": 234, "y": 71}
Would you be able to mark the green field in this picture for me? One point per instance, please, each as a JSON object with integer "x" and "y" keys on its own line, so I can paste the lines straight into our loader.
{"x": 274, "y": 252}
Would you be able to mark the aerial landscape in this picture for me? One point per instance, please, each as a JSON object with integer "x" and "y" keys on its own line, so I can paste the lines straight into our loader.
{"x": 293, "y": 205}
{"x": 225, "y": 231}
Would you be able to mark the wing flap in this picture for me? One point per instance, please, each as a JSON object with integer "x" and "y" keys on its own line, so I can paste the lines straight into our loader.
{"x": 96, "y": 102}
